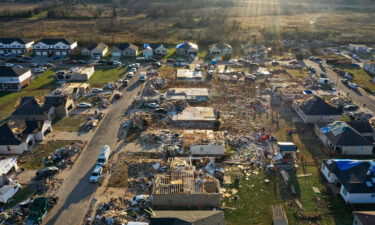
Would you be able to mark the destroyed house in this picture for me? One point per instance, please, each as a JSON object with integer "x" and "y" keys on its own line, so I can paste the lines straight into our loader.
{"x": 188, "y": 74}
{"x": 364, "y": 218}
{"x": 188, "y": 217}
{"x": 316, "y": 110}
{"x": 354, "y": 178}
{"x": 196, "y": 117}
{"x": 203, "y": 143}
{"x": 341, "y": 137}
{"x": 188, "y": 94}
{"x": 78, "y": 74}
{"x": 185, "y": 188}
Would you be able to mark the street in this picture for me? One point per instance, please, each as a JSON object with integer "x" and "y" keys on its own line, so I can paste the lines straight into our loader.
{"x": 76, "y": 192}
{"x": 359, "y": 96}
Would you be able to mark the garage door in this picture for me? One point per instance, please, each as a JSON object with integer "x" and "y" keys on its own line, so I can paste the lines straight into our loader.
{"x": 58, "y": 53}
{"x": 63, "y": 53}
{"x": 117, "y": 54}
{"x": 38, "y": 53}
{"x": 14, "y": 51}
{"x": 44, "y": 53}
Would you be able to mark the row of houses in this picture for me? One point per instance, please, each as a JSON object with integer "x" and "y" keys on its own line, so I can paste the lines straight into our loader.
{"x": 62, "y": 47}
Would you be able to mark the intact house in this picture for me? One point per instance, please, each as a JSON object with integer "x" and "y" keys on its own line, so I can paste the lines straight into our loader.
{"x": 53, "y": 46}
{"x": 197, "y": 117}
{"x": 315, "y": 110}
{"x": 188, "y": 94}
{"x": 17, "y": 137}
{"x": 369, "y": 67}
{"x": 77, "y": 74}
{"x": 15, "y": 46}
{"x": 188, "y": 74}
{"x": 221, "y": 49}
{"x": 95, "y": 50}
{"x": 354, "y": 179}
{"x": 43, "y": 108}
{"x": 125, "y": 49}
{"x": 203, "y": 143}
{"x": 179, "y": 188}
{"x": 160, "y": 49}
{"x": 364, "y": 218}
{"x": 187, "y": 217}
{"x": 148, "y": 52}
{"x": 341, "y": 137}
{"x": 187, "y": 48}
{"x": 255, "y": 50}
{"x": 13, "y": 78}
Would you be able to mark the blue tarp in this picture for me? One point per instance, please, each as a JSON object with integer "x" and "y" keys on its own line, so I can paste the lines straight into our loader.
{"x": 347, "y": 164}
{"x": 325, "y": 129}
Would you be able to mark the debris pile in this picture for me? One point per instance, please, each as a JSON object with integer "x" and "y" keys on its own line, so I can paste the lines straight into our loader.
{"x": 340, "y": 101}
{"x": 61, "y": 156}
{"x": 154, "y": 84}
{"x": 360, "y": 116}
{"x": 174, "y": 106}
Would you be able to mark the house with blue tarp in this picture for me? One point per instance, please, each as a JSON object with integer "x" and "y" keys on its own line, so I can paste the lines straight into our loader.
{"x": 346, "y": 138}
{"x": 354, "y": 178}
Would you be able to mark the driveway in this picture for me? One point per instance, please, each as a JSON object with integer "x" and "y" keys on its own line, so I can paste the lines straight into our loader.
{"x": 76, "y": 192}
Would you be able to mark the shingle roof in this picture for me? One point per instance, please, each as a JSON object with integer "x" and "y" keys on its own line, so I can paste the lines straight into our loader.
{"x": 7, "y": 137}
{"x": 6, "y": 71}
{"x": 54, "y": 101}
{"x": 11, "y": 40}
{"x": 221, "y": 45}
{"x": 315, "y": 106}
{"x": 53, "y": 41}
{"x": 187, "y": 45}
{"x": 29, "y": 106}
{"x": 100, "y": 46}
{"x": 366, "y": 217}
{"x": 361, "y": 126}
{"x": 124, "y": 46}
{"x": 341, "y": 134}
{"x": 357, "y": 176}
{"x": 188, "y": 217}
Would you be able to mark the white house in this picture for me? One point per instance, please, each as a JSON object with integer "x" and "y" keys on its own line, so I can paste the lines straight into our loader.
{"x": 341, "y": 137}
{"x": 160, "y": 49}
{"x": 50, "y": 46}
{"x": 187, "y": 48}
{"x": 354, "y": 178}
{"x": 221, "y": 49}
{"x": 316, "y": 110}
{"x": 95, "y": 50}
{"x": 15, "y": 46}
{"x": 13, "y": 78}
{"x": 148, "y": 52}
{"x": 125, "y": 49}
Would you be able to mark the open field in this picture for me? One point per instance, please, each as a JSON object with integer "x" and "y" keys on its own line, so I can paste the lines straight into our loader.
{"x": 361, "y": 78}
{"x": 105, "y": 75}
{"x": 70, "y": 123}
{"x": 40, "y": 86}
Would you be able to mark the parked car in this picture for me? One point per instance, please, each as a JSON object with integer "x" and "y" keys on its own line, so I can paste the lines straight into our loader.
{"x": 18, "y": 66}
{"x": 344, "y": 81}
{"x": 96, "y": 90}
{"x": 34, "y": 64}
{"x": 161, "y": 110}
{"x": 46, "y": 172}
{"x": 133, "y": 69}
{"x": 84, "y": 105}
{"x": 353, "y": 85}
{"x": 9, "y": 64}
{"x": 82, "y": 61}
{"x": 38, "y": 70}
{"x": 96, "y": 174}
{"x": 130, "y": 74}
{"x": 126, "y": 83}
{"x": 152, "y": 105}
{"x": 117, "y": 63}
{"x": 323, "y": 75}
{"x": 350, "y": 107}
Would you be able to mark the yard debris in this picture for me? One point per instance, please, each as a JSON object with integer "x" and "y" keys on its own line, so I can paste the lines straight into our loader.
{"x": 61, "y": 156}
{"x": 153, "y": 84}
{"x": 340, "y": 101}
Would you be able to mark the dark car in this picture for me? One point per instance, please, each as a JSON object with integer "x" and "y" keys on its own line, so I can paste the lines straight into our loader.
{"x": 46, "y": 172}
{"x": 350, "y": 107}
{"x": 344, "y": 81}
{"x": 110, "y": 63}
{"x": 161, "y": 110}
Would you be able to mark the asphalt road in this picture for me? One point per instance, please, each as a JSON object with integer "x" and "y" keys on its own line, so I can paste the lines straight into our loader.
{"x": 359, "y": 96}
{"x": 76, "y": 192}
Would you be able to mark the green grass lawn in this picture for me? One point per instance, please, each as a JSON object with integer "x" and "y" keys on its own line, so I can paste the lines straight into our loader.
{"x": 33, "y": 159}
{"x": 40, "y": 86}
{"x": 297, "y": 73}
{"x": 105, "y": 75}
{"x": 70, "y": 124}
{"x": 23, "y": 194}
{"x": 361, "y": 78}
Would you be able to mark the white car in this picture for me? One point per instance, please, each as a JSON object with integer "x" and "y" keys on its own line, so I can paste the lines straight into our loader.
{"x": 96, "y": 90}
{"x": 34, "y": 64}
{"x": 9, "y": 64}
{"x": 152, "y": 105}
{"x": 38, "y": 70}
{"x": 133, "y": 69}
{"x": 96, "y": 174}
{"x": 131, "y": 74}
{"x": 84, "y": 105}
{"x": 18, "y": 66}
{"x": 353, "y": 85}
{"x": 117, "y": 63}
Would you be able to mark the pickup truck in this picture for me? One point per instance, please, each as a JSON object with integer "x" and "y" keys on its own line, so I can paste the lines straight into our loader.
{"x": 104, "y": 153}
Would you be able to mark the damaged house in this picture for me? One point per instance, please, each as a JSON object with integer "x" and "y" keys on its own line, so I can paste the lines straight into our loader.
{"x": 184, "y": 187}
{"x": 17, "y": 137}
{"x": 315, "y": 110}
{"x": 340, "y": 136}
{"x": 354, "y": 179}
{"x": 187, "y": 217}
{"x": 78, "y": 74}
{"x": 201, "y": 143}
{"x": 188, "y": 94}
{"x": 188, "y": 74}
{"x": 196, "y": 117}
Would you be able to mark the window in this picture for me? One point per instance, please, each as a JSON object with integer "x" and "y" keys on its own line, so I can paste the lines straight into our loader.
{"x": 8, "y": 148}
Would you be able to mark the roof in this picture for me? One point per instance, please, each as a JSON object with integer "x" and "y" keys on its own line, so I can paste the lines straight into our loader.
{"x": 196, "y": 217}
{"x": 157, "y": 45}
{"x": 7, "y": 137}
{"x": 7, "y": 164}
{"x": 124, "y": 46}
{"x": 99, "y": 46}
{"x": 186, "y": 93}
{"x": 54, "y": 101}
{"x": 189, "y": 74}
{"x": 361, "y": 126}
{"x": 6, "y": 71}
{"x": 357, "y": 176}
{"x": 341, "y": 134}
{"x": 366, "y": 217}
{"x": 53, "y": 41}
{"x": 221, "y": 46}
{"x": 187, "y": 45}
{"x": 11, "y": 40}
{"x": 29, "y": 106}
{"x": 196, "y": 114}
{"x": 315, "y": 106}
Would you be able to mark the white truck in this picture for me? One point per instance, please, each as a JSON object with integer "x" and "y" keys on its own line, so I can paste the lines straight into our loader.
{"x": 104, "y": 153}
{"x": 142, "y": 76}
